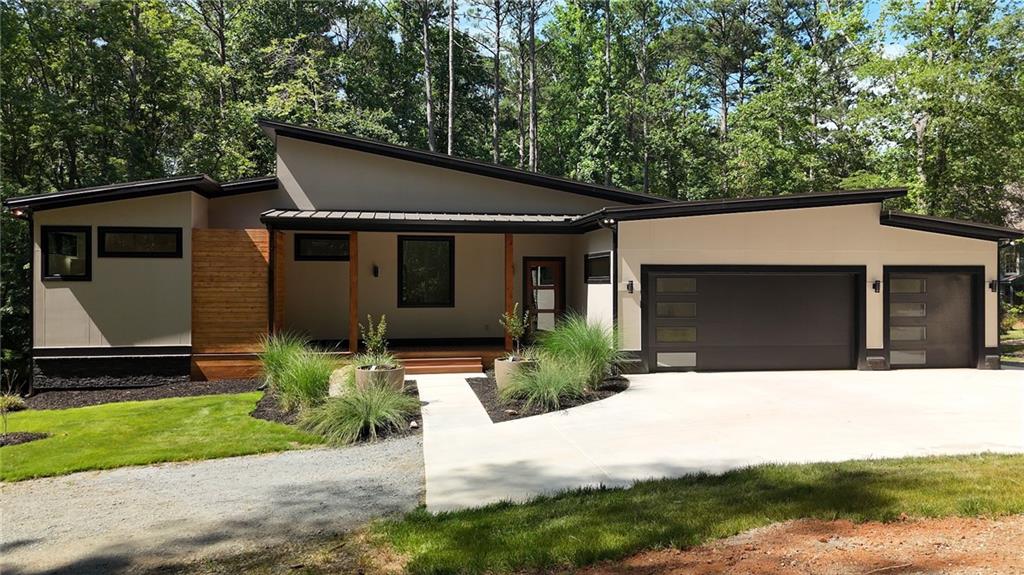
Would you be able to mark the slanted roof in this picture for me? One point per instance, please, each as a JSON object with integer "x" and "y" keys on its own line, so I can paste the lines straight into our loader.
{"x": 274, "y": 128}
{"x": 418, "y": 221}
{"x": 949, "y": 226}
{"x": 200, "y": 183}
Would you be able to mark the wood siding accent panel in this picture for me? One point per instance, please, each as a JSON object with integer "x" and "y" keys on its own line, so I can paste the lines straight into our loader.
{"x": 229, "y": 290}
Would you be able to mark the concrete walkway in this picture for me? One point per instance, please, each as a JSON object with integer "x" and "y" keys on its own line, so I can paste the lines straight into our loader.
{"x": 160, "y": 516}
{"x": 669, "y": 425}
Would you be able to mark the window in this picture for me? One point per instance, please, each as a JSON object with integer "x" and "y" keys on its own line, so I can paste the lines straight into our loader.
{"x": 675, "y": 285}
{"x": 908, "y": 333}
{"x": 686, "y": 310}
{"x": 140, "y": 242}
{"x": 67, "y": 252}
{"x": 675, "y": 334}
{"x": 321, "y": 247}
{"x": 908, "y": 285}
{"x": 908, "y": 357}
{"x": 908, "y": 309}
{"x": 426, "y": 271}
{"x": 597, "y": 268}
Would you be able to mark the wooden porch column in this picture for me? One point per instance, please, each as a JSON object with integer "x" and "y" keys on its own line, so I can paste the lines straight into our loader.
{"x": 509, "y": 294}
{"x": 353, "y": 292}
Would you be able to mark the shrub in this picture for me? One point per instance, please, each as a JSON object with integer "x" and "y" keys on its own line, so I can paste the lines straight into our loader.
{"x": 383, "y": 360}
{"x": 594, "y": 347}
{"x": 375, "y": 338}
{"x": 515, "y": 324}
{"x": 11, "y": 402}
{"x": 304, "y": 380}
{"x": 552, "y": 382}
{"x": 359, "y": 414}
{"x": 279, "y": 350}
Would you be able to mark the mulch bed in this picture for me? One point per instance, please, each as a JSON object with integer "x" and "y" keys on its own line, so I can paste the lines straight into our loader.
{"x": 66, "y": 398}
{"x": 17, "y": 437}
{"x": 487, "y": 392}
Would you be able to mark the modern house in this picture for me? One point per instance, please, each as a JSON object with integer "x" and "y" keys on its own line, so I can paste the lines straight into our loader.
{"x": 165, "y": 279}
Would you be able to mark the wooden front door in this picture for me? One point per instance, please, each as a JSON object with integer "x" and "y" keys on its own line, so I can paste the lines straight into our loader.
{"x": 544, "y": 291}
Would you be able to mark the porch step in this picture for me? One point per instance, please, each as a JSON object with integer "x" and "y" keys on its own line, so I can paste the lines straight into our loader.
{"x": 414, "y": 365}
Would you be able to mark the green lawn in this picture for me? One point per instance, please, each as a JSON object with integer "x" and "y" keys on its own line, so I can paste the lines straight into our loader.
{"x": 140, "y": 432}
{"x": 1013, "y": 352}
{"x": 584, "y": 527}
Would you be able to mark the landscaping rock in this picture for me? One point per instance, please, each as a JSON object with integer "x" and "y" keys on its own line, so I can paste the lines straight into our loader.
{"x": 339, "y": 379}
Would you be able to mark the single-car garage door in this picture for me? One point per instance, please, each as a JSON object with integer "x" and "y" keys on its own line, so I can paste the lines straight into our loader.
{"x": 722, "y": 319}
{"x": 930, "y": 317}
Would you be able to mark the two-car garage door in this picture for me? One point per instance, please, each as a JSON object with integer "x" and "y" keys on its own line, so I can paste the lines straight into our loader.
{"x": 731, "y": 318}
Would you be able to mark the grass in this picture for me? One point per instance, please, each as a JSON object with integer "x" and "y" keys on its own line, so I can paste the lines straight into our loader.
{"x": 587, "y": 526}
{"x": 279, "y": 350}
{"x": 549, "y": 384}
{"x": 1012, "y": 352}
{"x": 304, "y": 381}
{"x": 142, "y": 432}
{"x": 359, "y": 414}
{"x": 591, "y": 345}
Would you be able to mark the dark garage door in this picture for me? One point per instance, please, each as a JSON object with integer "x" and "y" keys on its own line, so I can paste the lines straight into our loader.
{"x": 930, "y": 319}
{"x": 749, "y": 320}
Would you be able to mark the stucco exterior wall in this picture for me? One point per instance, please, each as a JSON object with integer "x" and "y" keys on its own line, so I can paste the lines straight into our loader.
{"x": 129, "y": 301}
{"x": 243, "y": 211}
{"x": 318, "y": 176}
{"x": 841, "y": 235}
{"x": 598, "y": 296}
{"x": 316, "y": 294}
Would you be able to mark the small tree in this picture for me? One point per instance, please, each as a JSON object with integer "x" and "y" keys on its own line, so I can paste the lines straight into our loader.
{"x": 515, "y": 325}
{"x": 375, "y": 336}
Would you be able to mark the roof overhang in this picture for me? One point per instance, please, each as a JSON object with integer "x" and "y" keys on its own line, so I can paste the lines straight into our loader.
{"x": 200, "y": 183}
{"x": 275, "y": 128}
{"x": 950, "y": 227}
{"x": 740, "y": 205}
{"x": 436, "y": 222}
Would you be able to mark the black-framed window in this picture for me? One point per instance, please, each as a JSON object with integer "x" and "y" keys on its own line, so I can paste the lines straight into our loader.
{"x": 136, "y": 242}
{"x": 597, "y": 268}
{"x": 321, "y": 248}
{"x": 67, "y": 252}
{"x": 426, "y": 271}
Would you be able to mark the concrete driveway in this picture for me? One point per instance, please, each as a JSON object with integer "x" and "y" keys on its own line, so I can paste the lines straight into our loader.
{"x": 668, "y": 425}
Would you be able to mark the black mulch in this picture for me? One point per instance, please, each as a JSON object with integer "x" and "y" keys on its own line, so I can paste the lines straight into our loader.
{"x": 65, "y": 398}
{"x": 487, "y": 392}
{"x": 268, "y": 409}
{"x": 16, "y": 437}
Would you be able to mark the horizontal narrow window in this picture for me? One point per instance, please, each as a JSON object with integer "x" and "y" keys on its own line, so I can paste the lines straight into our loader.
{"x": 676, "y": 309}
{"x": 676, "y": 285}
{"x": 321, "y": 247}
{"x": 597, "y": 268}
{"x": 908, "y": 309}
{"x": 676, "y": 334}
{"x": 908, "y": 285}
{"x": 67, "y": 252}
{"x": 908, "y": 333}
{"x": 677, "y": 359}
{"x": 426, "y": 271}
{"x": 908, "y": 357}
{"x": 140, "y": 242}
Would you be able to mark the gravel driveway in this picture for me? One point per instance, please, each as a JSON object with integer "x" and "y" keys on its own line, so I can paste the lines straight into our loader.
{"x": 140, "y": 517}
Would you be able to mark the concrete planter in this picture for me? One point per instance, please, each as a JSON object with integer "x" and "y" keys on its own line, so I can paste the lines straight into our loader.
{"x": 392, "y": 378}
{"x": 506, "y": 369}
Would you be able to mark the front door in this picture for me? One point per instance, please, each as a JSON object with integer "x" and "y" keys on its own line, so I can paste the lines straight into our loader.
{"x": 544, "y": 291}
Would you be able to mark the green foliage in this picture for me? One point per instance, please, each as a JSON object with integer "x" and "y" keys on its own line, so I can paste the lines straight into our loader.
{"x": 592, "y": 346}
{"x": 143, "y": 432}
{"x": 360, "y": 414}
{"x": 375, "y": 338}
{"x": 515, "y": 325}
{"x": 10, "y": 402}
{"x": 552, "y": 382}
{"x": 381, "y": 360}
{"x": 304, "y": 381}
{"x": 278, "y": 351}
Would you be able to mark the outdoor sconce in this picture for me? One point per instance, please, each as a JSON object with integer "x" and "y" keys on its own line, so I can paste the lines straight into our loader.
{"x": 993, "y": 285}
{"x": 376, "y": 271}
{"x": 877, "y": 286}
{"x": 629, "y": 286}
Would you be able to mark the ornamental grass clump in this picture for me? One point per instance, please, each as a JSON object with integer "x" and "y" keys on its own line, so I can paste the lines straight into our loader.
{"x": 360, "y": 414}
{"x": 591, "y": 346}
{"x": 552, "y": 383}
{"x": 304, "y": 380}
{"x": 280, "y": 350}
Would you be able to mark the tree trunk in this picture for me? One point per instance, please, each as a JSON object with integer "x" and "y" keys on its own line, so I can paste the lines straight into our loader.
{"x": 496, "y": 99}
{"x": 607, "y": 91}
{"x": 521, "y": 93}
{"x": 451, "y": 75}
{"x": 534, "y": 150}
{"x": 425, "y": 23}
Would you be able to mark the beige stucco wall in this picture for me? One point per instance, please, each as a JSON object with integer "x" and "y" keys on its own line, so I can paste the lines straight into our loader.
{"x": 842, "y": 235}
{"x": 598, "y": 296}
{"x": 129, "y": 301}
{"x": 316, "y": 295}
{"x": 243, "y": 211}
{"x": 318, "y": 176}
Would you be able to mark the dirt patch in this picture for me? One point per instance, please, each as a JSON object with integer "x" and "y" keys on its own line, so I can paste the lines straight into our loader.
{"x": 486, "y": 391}
{"x": 17, "y": 437}
{"x": 67, "y": 398}
{"x": 952, "y": 546}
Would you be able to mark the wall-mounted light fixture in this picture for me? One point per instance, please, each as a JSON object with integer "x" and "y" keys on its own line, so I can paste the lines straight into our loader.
{"x": 376, "y": 271}
{"x": 993, "y": 285}
{"x": 629, "y": 286}
{"x": 877, "y": 286}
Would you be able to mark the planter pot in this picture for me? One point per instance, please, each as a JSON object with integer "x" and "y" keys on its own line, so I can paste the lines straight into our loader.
{"x": 506, "y": 369}
{"x": 392, "y": 378}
